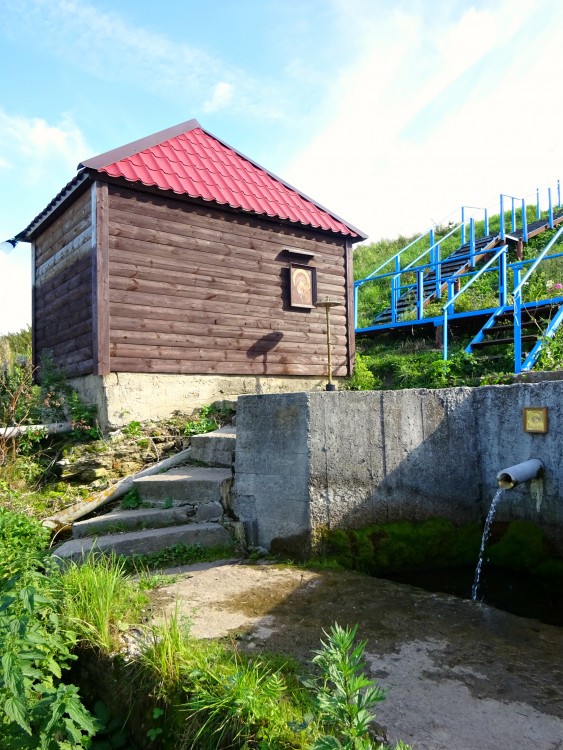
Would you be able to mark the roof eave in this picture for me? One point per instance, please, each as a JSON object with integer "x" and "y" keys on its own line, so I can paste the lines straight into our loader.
{"x": 54, "y": 207}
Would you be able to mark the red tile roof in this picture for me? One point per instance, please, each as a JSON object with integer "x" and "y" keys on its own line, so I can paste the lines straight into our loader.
{"x": 190, "y": 161}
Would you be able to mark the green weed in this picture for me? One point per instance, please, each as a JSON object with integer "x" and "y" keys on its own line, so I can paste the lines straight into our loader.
{"x": 345, "y": 697}
{"x": 175, "y": 556}
{"x": 100, "y": 601}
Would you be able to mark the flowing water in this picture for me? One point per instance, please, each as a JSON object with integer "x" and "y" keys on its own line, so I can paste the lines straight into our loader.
{"x": 486, "y": 534}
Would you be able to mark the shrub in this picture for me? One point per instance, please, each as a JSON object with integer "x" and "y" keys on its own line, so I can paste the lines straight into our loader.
{"x": 37, "y": 709}
{"x": 22, "y": 542}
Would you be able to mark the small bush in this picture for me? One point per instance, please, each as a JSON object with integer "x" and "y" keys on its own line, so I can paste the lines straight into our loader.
{"x": 22, "y": 543}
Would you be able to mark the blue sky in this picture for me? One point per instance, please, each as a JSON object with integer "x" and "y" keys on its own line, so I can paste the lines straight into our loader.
{"x": 391, "y": 114}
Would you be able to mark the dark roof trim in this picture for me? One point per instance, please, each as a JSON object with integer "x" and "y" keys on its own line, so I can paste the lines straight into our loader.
{"x": 130, "y": 149}
{"x": 76, "y": 185}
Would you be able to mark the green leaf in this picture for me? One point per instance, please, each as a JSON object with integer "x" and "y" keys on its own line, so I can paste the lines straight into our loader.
{"x": 16, "y": 710}
{"x": 327, "y": 743}
{"x": 54, "y": 668}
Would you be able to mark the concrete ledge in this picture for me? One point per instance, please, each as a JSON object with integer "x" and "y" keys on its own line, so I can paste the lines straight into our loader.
{"x": 124, "y": 396}
{"x": 126, "y": 520}
{"x": 215, "y": 448}
{"x": 185, "y": 486}
{"x": 308, "y": 461}
{"x": 146, "y": 542}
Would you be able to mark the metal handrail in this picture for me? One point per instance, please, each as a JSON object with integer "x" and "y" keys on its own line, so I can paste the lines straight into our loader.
{"x": 536, "y": 261}
{"x": 502, "y": 250}
{"x": 517, "y": 299}
{"x": 394, "y": 257}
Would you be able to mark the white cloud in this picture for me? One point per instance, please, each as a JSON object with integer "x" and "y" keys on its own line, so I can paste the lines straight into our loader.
{"x": 38, "y": 158}
{"x": 221, "y": 96}
{"x": 33, "y": 148}
{"x": 434, "y": 116}
{"x": 15, "y": 292}
{"x": 108, "y": 47}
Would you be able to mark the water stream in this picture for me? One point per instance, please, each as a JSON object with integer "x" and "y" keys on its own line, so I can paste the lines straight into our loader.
{"x": 486, "y": 534}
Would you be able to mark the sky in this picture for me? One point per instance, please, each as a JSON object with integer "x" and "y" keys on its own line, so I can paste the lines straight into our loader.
{"x": 391, "y": 113}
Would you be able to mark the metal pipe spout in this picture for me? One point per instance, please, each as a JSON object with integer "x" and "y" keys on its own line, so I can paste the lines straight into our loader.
{"x": 509, "y": 478}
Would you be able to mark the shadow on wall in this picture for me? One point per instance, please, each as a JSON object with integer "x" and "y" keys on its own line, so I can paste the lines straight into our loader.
{"x": 349, "y": 459}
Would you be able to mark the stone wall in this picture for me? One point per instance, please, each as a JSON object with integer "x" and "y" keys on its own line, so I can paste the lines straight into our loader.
{"x": 123, "y": 397}
{"x": 310, "y": 460}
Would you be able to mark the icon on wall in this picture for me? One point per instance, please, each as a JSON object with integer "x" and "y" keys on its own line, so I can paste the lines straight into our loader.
{"x": 535, "y": 419}
{"x": 303, "y": 287}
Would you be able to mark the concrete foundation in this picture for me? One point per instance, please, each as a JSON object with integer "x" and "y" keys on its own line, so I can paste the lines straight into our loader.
{"x": 305, "y": 461}
{"x": 123, "y": 397}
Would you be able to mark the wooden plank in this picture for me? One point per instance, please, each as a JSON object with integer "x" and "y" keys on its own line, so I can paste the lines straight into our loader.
{"x": 214, "y": 306}
{"x": 78, "y": 276}
{"x": 66, "y": 256}
{"x": 79, "y": 319}
{"x": 53, "y": 241}
{"x": 187, "y": 284}
{"x": 198, "y": 271}
{"x": 76, "y": 357}
{"x": 75, "y": 296}
{"x": 65, "y": 228}
{"x": 191, "y": 354}
{"x": 298, "y": 323}
{"x": 124, "y": 364}
{"x": 100, "y": 282}
{"x": 121, "y": 325}
{"x": 191, "y": 278}
{"x": 349, "y": 301}
{"x": 78, "y": 369}
{"x": 66, "y": 345}
{"x": 244, "y": 224}
{"x": 275, "y": 341}
{"x": 168, "y": 234}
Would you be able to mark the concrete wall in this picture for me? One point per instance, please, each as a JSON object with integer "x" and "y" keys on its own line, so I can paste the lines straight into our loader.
{"x": 123, "y": 397}
{"x": 308, "y": 460}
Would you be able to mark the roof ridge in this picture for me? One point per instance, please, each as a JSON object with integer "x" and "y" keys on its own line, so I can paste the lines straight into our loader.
{"x": 141, "y": 144}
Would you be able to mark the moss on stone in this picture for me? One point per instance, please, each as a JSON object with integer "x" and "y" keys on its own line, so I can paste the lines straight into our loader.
{"x": 435, "y": 544}
{"x": 521, "y": 548}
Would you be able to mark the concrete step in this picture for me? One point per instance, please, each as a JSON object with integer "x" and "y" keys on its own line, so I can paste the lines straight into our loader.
{"x": 146, "y": 541}
{"x": 215, "y": 448}
{"x": 187, "y": 485}
{"x": 141, "y": 518}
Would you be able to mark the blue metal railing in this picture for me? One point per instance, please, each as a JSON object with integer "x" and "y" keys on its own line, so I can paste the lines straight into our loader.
{"x": 429, "y": 262}
{"x": 519, "y": 284}
{"x": 499, "y": 255}
{"x": 434, "y": 264}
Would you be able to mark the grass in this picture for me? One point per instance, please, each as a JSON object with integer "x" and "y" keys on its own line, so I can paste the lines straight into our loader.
{"x": 100, "y": 601}
{"x": 174, "y": 556}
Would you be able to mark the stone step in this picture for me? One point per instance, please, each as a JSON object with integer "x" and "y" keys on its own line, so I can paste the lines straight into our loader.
{"x": 141, "y": 518}
{"x": 215, "y": 448}
{"x": 146, "y": 541}
{"x": 187, "y": 485}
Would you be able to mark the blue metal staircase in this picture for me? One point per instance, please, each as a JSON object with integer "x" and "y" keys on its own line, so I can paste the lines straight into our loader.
{"x": 417, "y": 283}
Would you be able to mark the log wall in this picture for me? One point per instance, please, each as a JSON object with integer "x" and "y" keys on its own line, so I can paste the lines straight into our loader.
{"x": 200, "y": 290}
{"x": 62, "y": 293}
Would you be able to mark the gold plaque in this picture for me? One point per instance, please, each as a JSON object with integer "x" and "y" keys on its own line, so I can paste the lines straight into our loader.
{"x": 535, "y": 418}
